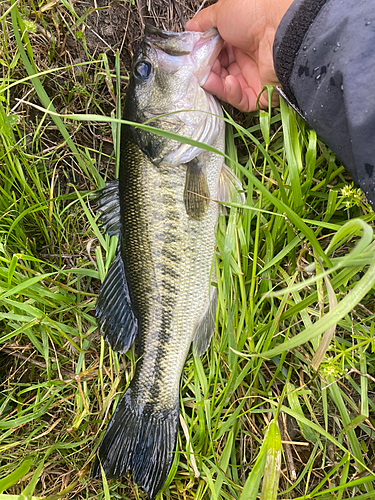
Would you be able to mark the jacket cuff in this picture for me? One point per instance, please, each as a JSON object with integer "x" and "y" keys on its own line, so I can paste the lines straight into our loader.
{"x": 289, "y": 38}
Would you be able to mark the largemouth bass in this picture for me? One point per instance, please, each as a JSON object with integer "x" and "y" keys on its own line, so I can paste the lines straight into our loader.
{"x": 164, "y": 209}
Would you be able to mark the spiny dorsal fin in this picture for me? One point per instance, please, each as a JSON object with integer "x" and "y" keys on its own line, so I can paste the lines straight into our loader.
{"x": 230, "y": 189}
{"x": 107, "y": 202}
{"x": 206, "y": 327}
{"x": 196, "y": 194}
{"x": 113, "y": 310}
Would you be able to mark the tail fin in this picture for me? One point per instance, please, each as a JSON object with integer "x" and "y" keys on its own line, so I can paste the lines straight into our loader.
{"x": 141, "y": 440}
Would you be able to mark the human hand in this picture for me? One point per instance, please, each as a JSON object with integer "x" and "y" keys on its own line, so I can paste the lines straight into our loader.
{"x": 245, "y": 64}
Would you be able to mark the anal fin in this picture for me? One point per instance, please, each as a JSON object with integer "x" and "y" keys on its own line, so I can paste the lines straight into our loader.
{"x": 113, "y": 309}
{"x": 206, "y": 327}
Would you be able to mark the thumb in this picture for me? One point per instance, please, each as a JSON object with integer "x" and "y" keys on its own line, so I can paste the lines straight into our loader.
{"x": 204, "y": 20}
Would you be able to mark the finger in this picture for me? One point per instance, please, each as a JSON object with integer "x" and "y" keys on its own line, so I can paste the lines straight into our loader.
{"x": 215, "y": 85}
{"x": 217, "y": 67}
{"x": 230, "y": 90}
{"x": 204, "y": 20}
{"x": 229, "y": 51}
{"x": 226, "y": 56}
{"x": 242, "y": 98}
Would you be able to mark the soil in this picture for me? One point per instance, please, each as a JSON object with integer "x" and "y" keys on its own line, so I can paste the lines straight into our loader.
{"x": 119, "y": 25}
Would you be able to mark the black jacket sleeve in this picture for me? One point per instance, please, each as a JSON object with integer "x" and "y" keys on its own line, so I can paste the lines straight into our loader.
{"x": 324, "y": 56}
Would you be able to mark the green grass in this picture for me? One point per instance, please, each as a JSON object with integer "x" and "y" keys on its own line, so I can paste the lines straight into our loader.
{"x": 285, "y": 391}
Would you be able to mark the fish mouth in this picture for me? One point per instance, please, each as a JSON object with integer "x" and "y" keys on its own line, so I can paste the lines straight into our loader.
{"x": 202, "y": 48}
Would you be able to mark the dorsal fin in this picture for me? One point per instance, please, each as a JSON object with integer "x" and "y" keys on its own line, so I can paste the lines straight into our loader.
{"x": 107, "y": 203}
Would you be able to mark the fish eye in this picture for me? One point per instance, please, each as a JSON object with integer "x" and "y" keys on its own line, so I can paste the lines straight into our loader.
{"x": 142, "y": 70}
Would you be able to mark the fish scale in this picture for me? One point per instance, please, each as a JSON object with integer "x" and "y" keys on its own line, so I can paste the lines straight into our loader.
{"x": 165, "y": 212}
{"x": 170, "y": 294}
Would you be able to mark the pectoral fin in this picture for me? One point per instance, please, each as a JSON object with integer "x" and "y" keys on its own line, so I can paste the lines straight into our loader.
{"x": 230, "y": 188}
{"x": 196, "y": 193}
{"x": 206, "y": 327}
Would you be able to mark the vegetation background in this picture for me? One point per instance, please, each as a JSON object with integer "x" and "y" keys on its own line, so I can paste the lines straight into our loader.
{"x": 282, "y": 405}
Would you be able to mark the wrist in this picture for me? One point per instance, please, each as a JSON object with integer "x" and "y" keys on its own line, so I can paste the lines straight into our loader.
{"x": 277, "y": 11}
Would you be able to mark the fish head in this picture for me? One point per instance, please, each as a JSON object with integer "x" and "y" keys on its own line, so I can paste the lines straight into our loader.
{"x": 165, "y": 91}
